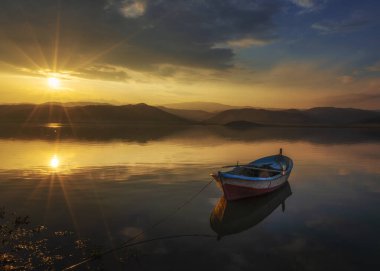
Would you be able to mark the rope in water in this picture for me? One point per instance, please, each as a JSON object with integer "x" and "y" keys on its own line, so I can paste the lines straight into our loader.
{"x": 128, "y": 244}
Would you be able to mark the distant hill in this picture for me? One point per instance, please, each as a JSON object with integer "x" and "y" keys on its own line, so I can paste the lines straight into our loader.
{"x": 196, "y": 115}
{"x": 203, "y": 106}
{"x": 141, "y": 113}
{"x": 314, "y": 116}
{"x": 260, "y": 116}
{"x": 51, "y": 112}
{"x": 335, "y": 115}
{"x": 82, "y": 103}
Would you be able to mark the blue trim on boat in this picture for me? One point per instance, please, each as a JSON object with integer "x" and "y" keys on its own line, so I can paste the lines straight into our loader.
{"x": 247, "y": 178}
{"x": 265, "y": 160}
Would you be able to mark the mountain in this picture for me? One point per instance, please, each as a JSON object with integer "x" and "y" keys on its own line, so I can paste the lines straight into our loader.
{"x": 195, "y": 115}
{"x": 70, "y": 104}
{"x": 314, "y": 116}
{"x": 142, "y": 113}
{"x": 51, "y": 112}
{"x": 203, "y": 106}
{"x": 335, "y": 115}
{"x": 261, "y": 116}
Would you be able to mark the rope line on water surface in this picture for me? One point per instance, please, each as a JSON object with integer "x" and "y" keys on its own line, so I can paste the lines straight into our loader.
{"x": 128, "y": 244}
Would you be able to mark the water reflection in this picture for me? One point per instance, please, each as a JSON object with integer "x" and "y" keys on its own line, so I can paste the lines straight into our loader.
{"x": 54, "y": 125}
{"x": 231, "y": 217}
{"x": 142, "y": 132}
{"x": 118, "y": 181}
{"x": 37, "y": 155}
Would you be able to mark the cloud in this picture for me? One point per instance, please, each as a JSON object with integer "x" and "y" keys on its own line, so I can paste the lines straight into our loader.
{"x": 375, "y": 67}
{"x": 298, "y": 75}
{"x": 351, "y": 24}
{"x": 304, "y": 3}
{"x": 247, "y": 42}
{"x": 132, "y": 8}
{"x": 309, "y": 5}
{"x": 133, "y": 34}
{"x": 346, "y": 79}
{"x": 357, "y": 100}
{"x": 103, "y": 72}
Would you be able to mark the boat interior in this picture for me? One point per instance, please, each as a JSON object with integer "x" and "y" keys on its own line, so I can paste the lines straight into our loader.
{"x": 246, "y": 171}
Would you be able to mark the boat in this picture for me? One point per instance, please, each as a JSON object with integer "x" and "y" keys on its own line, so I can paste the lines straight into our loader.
{"x": 232, "y": 217}
{"x": 255, "y": 178}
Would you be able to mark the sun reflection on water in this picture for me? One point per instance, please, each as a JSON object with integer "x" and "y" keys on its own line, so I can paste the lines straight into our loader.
{"x": 53, "y": 125}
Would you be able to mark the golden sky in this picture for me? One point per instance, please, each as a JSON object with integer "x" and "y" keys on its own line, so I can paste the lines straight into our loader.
{"x": 275, "y": 54}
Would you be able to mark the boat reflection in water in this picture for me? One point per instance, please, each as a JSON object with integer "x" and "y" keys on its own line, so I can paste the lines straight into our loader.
{"x": 230, "y": 217}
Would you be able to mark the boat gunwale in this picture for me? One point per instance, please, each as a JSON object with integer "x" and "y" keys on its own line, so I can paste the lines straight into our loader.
{"x": 253, "y": 179}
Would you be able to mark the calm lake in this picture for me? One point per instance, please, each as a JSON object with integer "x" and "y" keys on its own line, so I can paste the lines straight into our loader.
{"x": 109, "y": 184}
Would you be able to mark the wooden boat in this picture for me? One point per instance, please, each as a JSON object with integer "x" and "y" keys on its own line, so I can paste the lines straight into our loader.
{"x": 256, "y": 178}
{"x": 231, "y": 217}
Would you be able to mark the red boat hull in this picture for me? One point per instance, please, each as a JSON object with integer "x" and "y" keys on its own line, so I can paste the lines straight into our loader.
{"x": 238, "y": 189}
{"x": 233, "y": 192}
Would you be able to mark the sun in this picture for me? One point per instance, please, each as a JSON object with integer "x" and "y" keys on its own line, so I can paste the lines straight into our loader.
{"x": 53, "y": 82}
{"x": 54, "y": 162}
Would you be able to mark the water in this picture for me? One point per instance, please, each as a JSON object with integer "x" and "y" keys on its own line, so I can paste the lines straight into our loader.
{"x": 109, "y": 184}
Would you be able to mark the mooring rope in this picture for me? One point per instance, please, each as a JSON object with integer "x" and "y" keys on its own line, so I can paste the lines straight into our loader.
{"x": 162, "y": 220}
{"x": 126, "y": 245}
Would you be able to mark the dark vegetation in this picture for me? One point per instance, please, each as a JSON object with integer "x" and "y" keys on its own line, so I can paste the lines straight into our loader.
{"x": 24, "y": 246}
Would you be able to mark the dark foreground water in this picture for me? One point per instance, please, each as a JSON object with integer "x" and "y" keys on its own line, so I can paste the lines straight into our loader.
{"x": 107, "y": 187}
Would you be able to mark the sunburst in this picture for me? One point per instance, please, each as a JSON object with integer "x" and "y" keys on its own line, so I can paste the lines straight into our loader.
{"x": 54, "y": 82}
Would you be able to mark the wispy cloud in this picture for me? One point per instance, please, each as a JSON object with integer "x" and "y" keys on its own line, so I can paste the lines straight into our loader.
{"x": 351, "y": 24}
{"x": 103, "y": 72}
{"x": 375, "y": 67}
{"x": 304, "y": 3}
{"x": 133, "y": 8}
{"x": 365, "y": 100}
{"x": 247, "y": 42}
{"x": 346, "y": 79}
{"x": 309, "y": 5}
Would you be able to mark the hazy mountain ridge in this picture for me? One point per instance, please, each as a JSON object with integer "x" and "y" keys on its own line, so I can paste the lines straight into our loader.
{"x": 196, "y": 115}
{"x": 260, "y": 116}
{"x": 246, "y": 117}
{"x": 203, "y": 106}
{"x": 51, "y": 112}
{"x": 341, "y": 115}
{"x": 313, "y": 116}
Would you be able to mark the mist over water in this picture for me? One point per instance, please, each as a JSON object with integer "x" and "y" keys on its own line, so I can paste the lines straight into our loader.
{"x": 109, "y": 183}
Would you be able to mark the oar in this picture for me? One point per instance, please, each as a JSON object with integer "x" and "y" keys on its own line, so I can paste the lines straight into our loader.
{"x": 257, "y": 168}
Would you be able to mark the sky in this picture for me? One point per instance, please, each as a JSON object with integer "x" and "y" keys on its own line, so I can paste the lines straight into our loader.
{"x": 262, "y": 53}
